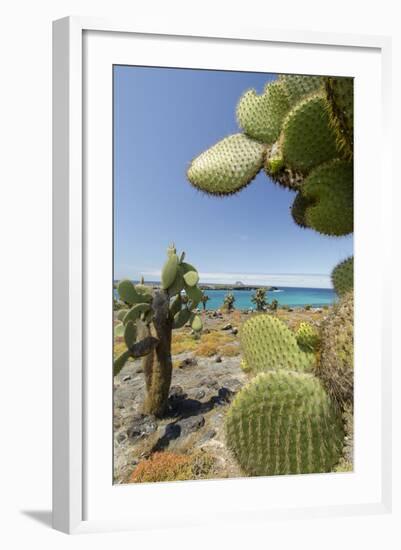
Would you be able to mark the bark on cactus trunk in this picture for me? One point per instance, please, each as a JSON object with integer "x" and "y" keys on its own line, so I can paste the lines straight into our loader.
{"x": 158, "y": 364}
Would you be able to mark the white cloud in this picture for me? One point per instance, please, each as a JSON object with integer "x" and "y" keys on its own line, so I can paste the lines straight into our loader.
{"x": 278, "y": 279}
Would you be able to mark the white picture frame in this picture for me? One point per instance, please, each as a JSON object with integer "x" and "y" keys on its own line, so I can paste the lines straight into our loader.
{"x": 75, "y": 208}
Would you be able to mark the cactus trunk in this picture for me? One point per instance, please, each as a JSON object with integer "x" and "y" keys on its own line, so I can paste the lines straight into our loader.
{"x": 158, "y": 365}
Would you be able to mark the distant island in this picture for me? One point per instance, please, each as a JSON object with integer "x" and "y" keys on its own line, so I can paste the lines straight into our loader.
{"x": 238, "y": 285}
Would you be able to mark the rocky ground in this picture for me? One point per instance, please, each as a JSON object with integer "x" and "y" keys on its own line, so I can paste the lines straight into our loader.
{"x": 206, "y": 376}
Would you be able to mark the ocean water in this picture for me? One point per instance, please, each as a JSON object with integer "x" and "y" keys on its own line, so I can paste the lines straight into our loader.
{"x": 290, "y": 296}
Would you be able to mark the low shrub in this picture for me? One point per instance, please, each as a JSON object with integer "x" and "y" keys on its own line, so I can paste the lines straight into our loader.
{"x": 168, "y": 466}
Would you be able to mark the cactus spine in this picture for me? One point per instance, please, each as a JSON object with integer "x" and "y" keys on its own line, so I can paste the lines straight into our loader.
{"x": 148, "y": 324}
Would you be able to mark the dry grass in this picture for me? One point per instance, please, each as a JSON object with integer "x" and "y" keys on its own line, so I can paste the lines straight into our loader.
{"x": 119, "y": 346}
{"x": 181, "y": 342}
{"x": 207, "y": 345}
{"x": 212, "y": 343}
{"x": 230, "y": 350}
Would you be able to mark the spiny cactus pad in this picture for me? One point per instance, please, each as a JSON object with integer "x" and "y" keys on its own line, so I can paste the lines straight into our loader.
{"x": 330, "y": 188}
{"x": 228, "y": 166}
{"x": 308, "y": 138}
{"x": 336, "y": 365}
{"x": 283, "y": 422}
{"x": 343, "y": 276}
{"x": 261, "y": 116}
{"x": 340, "y": 99}
{"x": 268, "y": 344}
{"x": 307, "y": 337}
{"x": 298, "y": 86}
{"x": 298, "y": 209}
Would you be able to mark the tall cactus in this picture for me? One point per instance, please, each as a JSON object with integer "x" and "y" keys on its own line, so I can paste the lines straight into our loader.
{"x": 149, "y": 320}
{"x": 229, "y": 300}
{"x": 283, "y": 422}
{"x": 259, "y": 299}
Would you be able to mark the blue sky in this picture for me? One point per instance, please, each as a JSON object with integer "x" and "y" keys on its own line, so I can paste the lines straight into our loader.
{"x": 162, "y": 119}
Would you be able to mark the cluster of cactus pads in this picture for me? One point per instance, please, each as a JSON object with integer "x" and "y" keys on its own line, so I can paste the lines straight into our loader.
{"x": 147, "y": 320}
{"x": 283, "y": 421}
{"x": 289, "y": 418}
{"x": 300, "y": 131}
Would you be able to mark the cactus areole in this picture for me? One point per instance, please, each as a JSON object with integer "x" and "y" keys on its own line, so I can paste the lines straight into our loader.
{"x": 148, "y": 321}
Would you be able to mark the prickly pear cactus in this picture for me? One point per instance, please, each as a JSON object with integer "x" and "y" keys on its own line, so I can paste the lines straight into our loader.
{"x": 307, "y": 337}
{"x": 336, "y": 365}
{"x": 228, "y": 166}
{"x": 147, "y": 322}
{"x": 342, "y": 277}
{"x": 299, "y": 86}
{"x": 229, "y": 300}
{"x": 268, "y": 344}
{"x": 259, "y": 299}
{"x": 283, "y": 422}
{"x": 295, "y": 129}
{"x": 261, "y": 116}
{"x": 340, "y": 98}
{"x": 329, "y": 193}
{"x": 308, "y": 139}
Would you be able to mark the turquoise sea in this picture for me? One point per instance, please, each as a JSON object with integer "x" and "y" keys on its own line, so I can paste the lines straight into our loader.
{"x": 290, "y": 296}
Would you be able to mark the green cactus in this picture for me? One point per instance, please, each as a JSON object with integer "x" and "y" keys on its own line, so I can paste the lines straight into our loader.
{"x": 261, "y": 116}
{"x": 228, "y": 166}
{"x": 329, "y": 190}
{"x": 299, "y": 208}
{"x": 297, "y": 125}
{"x": 259, "y": 299}
{"x": 342, "y": 277}
{"x": 229, "y": 300}
{"x": 147, "y": 325}
{"x": 307, "y": 337}
{"x": 283, "y": 422}
{"x": 268, "y": 344}
{"x": 299, "y": 86}
{"x": 308, "y": 139}
{"x": 336, "y": 365}
{"x": 340, "y": 101}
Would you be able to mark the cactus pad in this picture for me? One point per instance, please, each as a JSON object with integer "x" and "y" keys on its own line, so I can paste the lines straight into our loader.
{"x": 340, "y": 99}
{"x": 268, "y": 344}
{"x": 228, "y": 166}
{"x": 169, "y": 271}
{"x": 298, "y": 86}
{"x": 308, "y": 138}
{"x": 261, "y": 116}
{"x": 343, "y": 277}
{"x": 298, "y": 209}
{"x": 330, "y": 190}
{"x": 283, "y": 422}
{"x": 336, "y": 365}
{"x": 127, "y": 292}
{"x": 307, "y": 337}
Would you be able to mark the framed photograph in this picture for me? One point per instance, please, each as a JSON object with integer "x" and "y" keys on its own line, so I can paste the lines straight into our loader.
{"x": 219, "y": 330}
